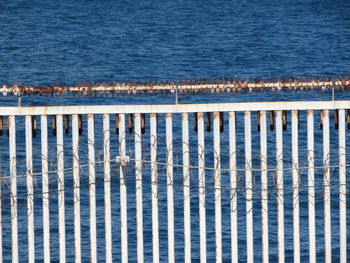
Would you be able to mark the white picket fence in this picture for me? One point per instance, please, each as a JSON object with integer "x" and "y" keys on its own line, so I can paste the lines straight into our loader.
{"x": 230, "y": 109}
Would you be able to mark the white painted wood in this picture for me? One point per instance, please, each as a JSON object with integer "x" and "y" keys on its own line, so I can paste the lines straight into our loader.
{"x": 217, "y": 183}
{"x": 186, "y": 184}
{"x": 61, "y": 189}
{"x": 296, "y": 185}
{"x": 92, "y": 188}
{"x": 327, "y": 189}
{"x": 264, "y": 188}
{"x": 76, "y": 188}
{"x": 177, "y": 108}
{"x": 201, "y": 189}
{"x": 233, "y": 186}
{"x": 311, "y": 186}
{"x": 13, "y": 174}
{"x": 138, "y": 177}
{"x": 154, "y": 187}
{"x": 123, "y": 192}
{"x": 45, "y": 188}
{"x": 342, "y": 187}
{"x": 170, "y": 187}
{"x": 30, "y": 188}
{"x": 107, "y": 187}
{"x": 249, "y": 186}
{"x": 279, "y": 186}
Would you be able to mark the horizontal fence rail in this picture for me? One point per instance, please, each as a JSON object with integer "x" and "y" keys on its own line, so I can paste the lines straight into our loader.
{"x": 202, "y": 182}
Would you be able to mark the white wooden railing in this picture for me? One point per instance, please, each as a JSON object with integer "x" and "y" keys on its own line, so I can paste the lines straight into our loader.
{"x": 339, "y": 108}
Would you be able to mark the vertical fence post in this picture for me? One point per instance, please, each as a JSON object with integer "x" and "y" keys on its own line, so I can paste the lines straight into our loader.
{"x": 76, "y": 188}
{"x": 186, "y": 184}
{"x": 311, "y": 186}
{"x": 170, "y": 187}
{"x": 92, "y": 187}
{"x": 61, "y": 197}
{"x": 45, "y": 188}
{"x": 264, "y": 188}
{"x": 201, "y": 188}
{"x": 249, "y": 186}
{"x": 154, "y": 182}
{"x": 107, "y": 187}
{"x": 342, "y": 186}
{"x": 279, "y": 185}
{"x": 295, "y": 162}
{"x": 1, "y": 223}
{"x": 233, "y": 186}
{"x": 30, "y": 188}
{"x": 217, "y": 183}
{"x": 138, "y": 177}
{"x": 13, "y": 173}
{"x": 327, "y": 189}
{"x": 123, "y": 192}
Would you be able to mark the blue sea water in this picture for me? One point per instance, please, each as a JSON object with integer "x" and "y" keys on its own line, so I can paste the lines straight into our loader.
{"x": 42, "y": 42}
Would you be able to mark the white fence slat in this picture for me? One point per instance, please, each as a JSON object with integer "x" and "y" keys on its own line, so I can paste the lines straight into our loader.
{"x": 13, "y": 174}
{"x": 92, "y": 188}
{"x": 123, "y": 192}
{"x": 342, "y": 186}
{"x": 233, "y": 186}
{"x": 107, "y": 187}
{"x": 311, "y": 186}
{"x": 30, "y": 188}
{"x": 201, "y": 188}
{"x": 279, "y": 185}
{"x": 1, "y": 222}
{"x": 249, "y": 186}
{"x": 154, "y": 187}
{"x": 76, "y": 188}
{"x": 45, "y": 188}
{"x": 138, "y": 178}
{"x": 61, "y": 189}
{"x": 295, "y": 176}
{"x": 170, "y": 187}
{"x": 217, "y": 183}
{"x": 264, "y": 188}
{"x": 186, "y": 185}
{"x": 327, "y": 189}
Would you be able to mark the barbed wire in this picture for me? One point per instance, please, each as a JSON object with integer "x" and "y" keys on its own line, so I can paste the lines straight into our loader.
{"x": 194, "y": 86}
{"x": 182, "y": 166}
{"x": 162, "y": 164}
{"x": 162, "y": 169}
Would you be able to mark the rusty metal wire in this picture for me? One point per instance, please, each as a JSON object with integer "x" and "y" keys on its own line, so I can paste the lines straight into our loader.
{"x": 162, "y": 166}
